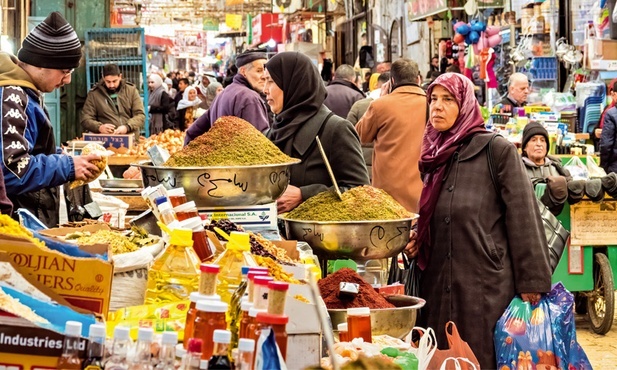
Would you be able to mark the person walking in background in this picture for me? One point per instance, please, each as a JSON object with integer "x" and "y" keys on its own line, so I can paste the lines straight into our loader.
{"x": 183, "y": 83}
{"x": 608, "y": 135}
{"x": 213, "y": 90}
{"x": 343, "y": 91}
{"x": 160, "y": 106}
{"x": 188, "y": 108}
{"x": 113, "y": 106}
{"x": 397, "y": 136}
{"x": 32, "y": 166}
{"x": 518, "y": 91}
{"x": 465, "y": 221}
{"x": 359, "y": 108}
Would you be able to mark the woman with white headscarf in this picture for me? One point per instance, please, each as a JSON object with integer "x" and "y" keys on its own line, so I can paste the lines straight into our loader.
{"x": 160, "y": 105}
{"x": 188, "y": 108}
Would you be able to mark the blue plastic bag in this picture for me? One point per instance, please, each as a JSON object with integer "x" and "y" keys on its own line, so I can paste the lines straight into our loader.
{"x": 541, "y": 336}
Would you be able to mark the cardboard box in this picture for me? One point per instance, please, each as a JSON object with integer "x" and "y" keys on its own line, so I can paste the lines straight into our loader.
{"x": 606, "y": 48}
{"x": 117, "y": 143}
{"x": 83, "y": 282}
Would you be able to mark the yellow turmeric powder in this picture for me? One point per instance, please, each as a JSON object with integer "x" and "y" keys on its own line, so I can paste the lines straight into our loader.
{"x": 8, "y": 226}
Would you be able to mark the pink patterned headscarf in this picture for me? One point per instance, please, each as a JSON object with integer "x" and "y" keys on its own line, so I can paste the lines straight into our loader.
{"x": 438, "y": 148}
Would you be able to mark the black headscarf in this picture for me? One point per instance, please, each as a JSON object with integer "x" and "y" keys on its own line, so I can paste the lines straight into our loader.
{"x": 303, "y": 93}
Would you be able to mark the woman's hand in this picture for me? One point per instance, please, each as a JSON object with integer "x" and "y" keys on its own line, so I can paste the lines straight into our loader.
{"x": 411, "y": 249}
{"x": 532, "y": 298}
{"x": 290, "y": 199}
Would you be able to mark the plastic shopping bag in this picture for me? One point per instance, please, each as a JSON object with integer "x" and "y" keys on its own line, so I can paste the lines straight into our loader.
{"x": 457, "y": 348}
{"x": 595, "y": 171}
{"x": 425, "y": 348}
{"x": 577, "y": 169}
{"x": 541, "y": 336}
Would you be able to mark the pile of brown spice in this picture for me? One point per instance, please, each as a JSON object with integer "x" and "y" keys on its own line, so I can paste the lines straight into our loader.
{"x": 367, "y": 297}
{"x": 360, "y": 203}
{"x": 231, "y": 141}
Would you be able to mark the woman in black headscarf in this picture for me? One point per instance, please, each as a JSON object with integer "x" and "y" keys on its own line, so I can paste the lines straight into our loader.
{"x": 295, "y": 92}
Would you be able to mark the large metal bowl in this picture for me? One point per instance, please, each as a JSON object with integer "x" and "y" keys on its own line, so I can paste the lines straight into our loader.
{"x": 396, "y": 322}
{"x": 221, "y": 186}
{"x": 357, "y": 240}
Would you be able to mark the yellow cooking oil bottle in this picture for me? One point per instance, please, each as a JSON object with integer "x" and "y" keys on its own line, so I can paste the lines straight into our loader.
{"x": 231, "y": 261}
{"x": 174, "y": 275}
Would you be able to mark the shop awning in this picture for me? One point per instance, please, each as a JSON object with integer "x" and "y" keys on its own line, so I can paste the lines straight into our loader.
{"x": 160, "y": 41}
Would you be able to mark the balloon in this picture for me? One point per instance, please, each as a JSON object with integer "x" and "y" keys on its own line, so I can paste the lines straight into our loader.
{"x": 492, "y": 30}
{"x": 457, "y": 24}
{"x": 468, "y": 39}
{"x": 494, "y": 40}
{"x": 478, "y": 26}
{"x": 464, "y": 29}
{"x": 458, "y": 38}
{"x": 474, "y": 37}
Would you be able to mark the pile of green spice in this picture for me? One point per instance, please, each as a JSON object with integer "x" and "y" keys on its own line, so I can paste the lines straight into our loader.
{"x": 358, "y": 204}
{"x": 231, "y": 141}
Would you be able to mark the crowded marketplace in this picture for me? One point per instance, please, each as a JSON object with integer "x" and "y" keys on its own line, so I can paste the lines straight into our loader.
{"x": 308, "y": 184}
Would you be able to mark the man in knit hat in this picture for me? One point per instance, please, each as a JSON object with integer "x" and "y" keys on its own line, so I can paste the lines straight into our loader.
{"x": 242, "y": 98}
{"x": 33, "y": 167}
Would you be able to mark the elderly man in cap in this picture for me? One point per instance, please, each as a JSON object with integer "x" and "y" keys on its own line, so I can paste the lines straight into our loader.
{"x": 242, "y": 98}
{"x": 518, "y": 91}
{"x": 33, "y": 167}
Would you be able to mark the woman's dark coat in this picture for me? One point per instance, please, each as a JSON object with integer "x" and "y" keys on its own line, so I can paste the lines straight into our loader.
{"x": 486, "y": 247}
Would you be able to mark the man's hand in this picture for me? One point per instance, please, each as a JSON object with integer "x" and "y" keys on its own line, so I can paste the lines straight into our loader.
{"x": 532, "y": 298}
{"x": 84, "y": 170}
{"x": 121, "y": 130}
{"x": 411, "y": 249}
{"x": 290, "y": 199}
{"x": 107, "y": 128}
{"x": 598, "y": 132}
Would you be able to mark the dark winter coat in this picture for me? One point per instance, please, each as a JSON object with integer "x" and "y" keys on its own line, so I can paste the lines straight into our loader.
{"x": 551, "y": 167}
{"x": 486, "y": 248}
{"x": 608, "y": 141}
{"x": 342, "y": 94}
{"x": 342, "y": 146}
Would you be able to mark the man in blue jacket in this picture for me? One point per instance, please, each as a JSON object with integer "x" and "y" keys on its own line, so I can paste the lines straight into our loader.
{"x": 33, "y": 167}
{"x": 242, "y": 98}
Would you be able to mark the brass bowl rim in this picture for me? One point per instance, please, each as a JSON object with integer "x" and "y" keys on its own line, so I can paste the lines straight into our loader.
{"x": 420, "y": 304}
{"x": 361, "y": 222}
{"x": 144, "y": 164}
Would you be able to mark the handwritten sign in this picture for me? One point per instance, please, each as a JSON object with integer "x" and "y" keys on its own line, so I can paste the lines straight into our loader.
{"x": 594, "y": 223}
{"x": 117, "y": 142}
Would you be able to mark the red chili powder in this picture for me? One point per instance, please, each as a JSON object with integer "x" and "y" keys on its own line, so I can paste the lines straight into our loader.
{"x": 367, "y": 297}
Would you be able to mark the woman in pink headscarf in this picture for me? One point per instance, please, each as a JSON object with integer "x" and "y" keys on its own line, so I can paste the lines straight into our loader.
{"x": 477, "y": 248}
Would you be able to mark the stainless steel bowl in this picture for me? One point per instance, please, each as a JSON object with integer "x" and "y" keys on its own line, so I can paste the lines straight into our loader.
{"x": 221, "y": 186}
{"x": 396, "y": 322}
{"x": 358, "y": 240}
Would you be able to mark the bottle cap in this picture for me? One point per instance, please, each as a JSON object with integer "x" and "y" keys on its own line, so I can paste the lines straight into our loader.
{"x": 222, "y": 336}
{"x": 160, "y": 200}
{"x": 145, "y": 334}
{"x": 211, "y": 306}
{"x": 146, "y": 191}
{"x": 175, "y": 192}
{"x": 121, "y": 333}
{"x": 246, "y": 345}
{"x": 181, "y": 237}
{"x": 342, "y": 326}
{"x": 204, "y": 267}
{"x": 358, "y": 311}
{"x": 251, "y": 274}
{"x": 195, "y": 345}
{"x": 193, "y": 223}
{"x": 73, "y": 328}
{"x": 196, "y": 297}
{"x": 262, "y": 280}
{"x": 185, "y": 207}
{"x": 268, "y": 318}
{"x": 239, "y": 241}
{"x": 97, "y": 331}
{"x": 246, "y": 306}
{"x": 170, "y": 338}
{"x": 164, "y": 207}
{"x": 253, "y": 312}
{"x": 278, "y": 285}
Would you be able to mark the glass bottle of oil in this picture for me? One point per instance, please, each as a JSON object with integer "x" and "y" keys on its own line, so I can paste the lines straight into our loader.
{"x": 231, "y": 262}
{"x": 174, "y": 275}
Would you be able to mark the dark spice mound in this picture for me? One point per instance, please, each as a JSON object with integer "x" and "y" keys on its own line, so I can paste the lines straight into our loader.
{"x": 368, "y": 297}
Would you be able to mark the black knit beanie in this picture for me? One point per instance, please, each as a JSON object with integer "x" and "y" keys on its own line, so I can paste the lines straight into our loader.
{"x": 532, "y": 129}
{"x": 52, "y": 44}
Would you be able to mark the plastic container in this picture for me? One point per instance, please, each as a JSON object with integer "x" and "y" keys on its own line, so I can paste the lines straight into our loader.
{"x": 231, "y": 262}
{"x": 192, "y": 312}
{"x": 167, "y": 213}
{"x": 174, "y": 275}
{"x": 343, "y": 335}
{"x": 246, "y": 354}
{"x": 186, "y": 210}
{"x": 192, "y": 359}
{"x": 252, "y": 332}
{"x": 210, "y": 316}
{"x": 244, "y": 319}
{"x": 277, "y": 295}
{"x": 200, "y": 238}
{"x": 260, "y": 297}
{"x": 251, "y": 284}
{"x": 207, "y": 280}
{"x": 359, "y": 323}
{"x": 220, "y": 358}
{"x": 176, "y": 196}
{"x": 278, "y": 323}
{"x": 70, "y": 349}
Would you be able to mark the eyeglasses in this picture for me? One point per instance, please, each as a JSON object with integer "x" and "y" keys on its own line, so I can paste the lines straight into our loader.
{"x": 68, "y": 71}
